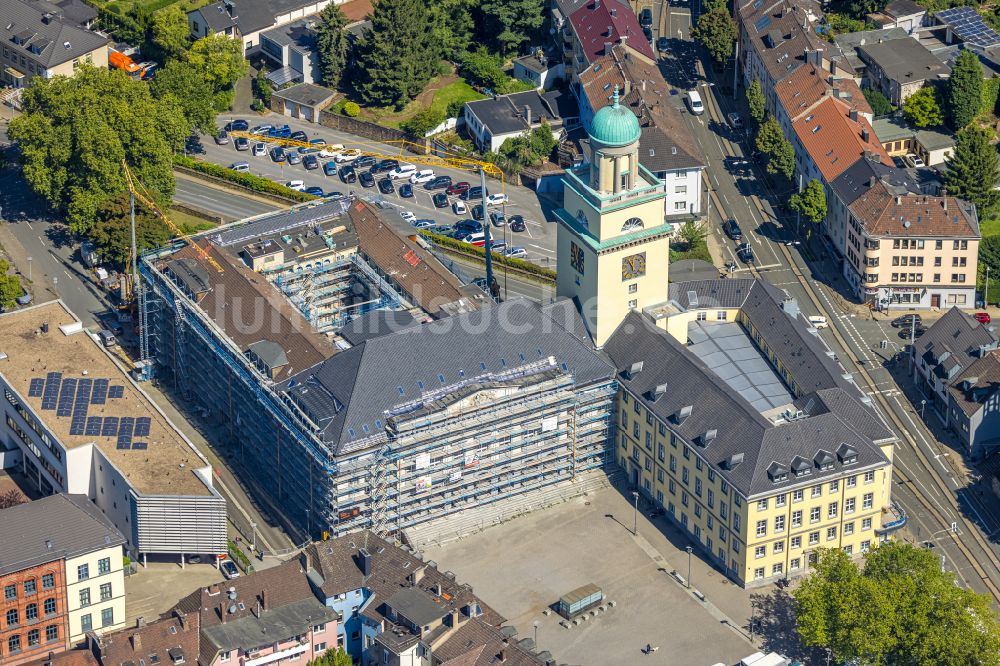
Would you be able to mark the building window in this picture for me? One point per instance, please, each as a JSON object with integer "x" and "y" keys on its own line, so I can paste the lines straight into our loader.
{"x": 794, "y": 564}
{"x": 673, "y": 464}
{"x": 796, "y": 542}
{"x": 866, "y": 546}
{"x": 711, "y": 499}
{"x": 34, "y": 637}
{"x": 834, "y": 486}
{"x": 85, "y": 597}
{"x": 780, "y": 500}
{"x": 796, "y": 518}
{"x": 13, "y": 645}
{"x": 105, "y": 591}
{"x": 12, "y": 618}
{"x": 817, "y": 491}
{"x": 779, "y": 547}
{"x": 633, "y": 304}
{"x": 761, "y": 528}
{"x": 760, "y": 551}
{"x": 50, "y": 607}
{"x": 48, "y": 581}
{"x": 777, "y": 569}
{"x": 736, "y": 522}
{"x": 814, "y": 514}
{"x": 870, "y": 476}
{"x": 31, "y": 612}
{"x": 684, "y": 475}
{"x": 10, "y": 592}
{"x": 813, "y": 538}
{"x": 736, "y": 546}
{"x": 852, "y": 481}
{"x": 107, "y": 617}
{"x": 797, "y": 495}
{"x": 633, "y": 288}
{"x": 831, "y": 533}
{"x": 758, "y": 573}
{"x": 831, "y": 511}
{"x": 104, "y": 565}
{"x": 866, "y": 501}
{"x": 83, "y": 572}
{"x": 866, "y": 524}
{"x": 697, "y": 487}
{"x": 51, "y": 633}
{"x": 762, "y": 505}
{"x": 848, "y": 528}
{"x": 779, "y": 523}
{"x": 86, "y": 623}
{"x": 849, "y": 505}
{"x": 680, "y": 205}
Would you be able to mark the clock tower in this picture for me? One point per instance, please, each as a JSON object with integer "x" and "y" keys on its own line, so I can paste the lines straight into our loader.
{"x": 613, "y": 244}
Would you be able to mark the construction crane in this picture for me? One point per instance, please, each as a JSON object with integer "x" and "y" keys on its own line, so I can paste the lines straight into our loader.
{"x": 417, "y": 156}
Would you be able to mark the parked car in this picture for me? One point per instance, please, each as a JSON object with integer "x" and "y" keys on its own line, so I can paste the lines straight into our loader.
{"x": 222, "y": 138}
{"x": 468, "y": 226}
{"x": 407, "y": 216}
{"x": 310, "y": 162}
{"x": 982, "y": 317}
{"x": 496, "y": 199}
{"x": 818, "y": 321}
{"x": 477, "y": 239}
{"x": 516, "y": 252}
{"x": 259, "y": 150}
{"x": 646, "y": 17}
{"x": 438, "y": 183}
{"x": 262, "y": 129}
{"x": 402, "y": 171}
{"x": 478, "y": 212}
{"x": 458, "y": 188}
{"x": 472, "y": 193}
{"x": 347, "y": 174}
{"x": 497, "y": 246}
{"x": 406, "y": 191}
{"x": 315, "y": 191}
{"x": 242, "y": 143}
{"x": 366, "y": 179}
{"x": 745, "y": 253}
{"x": 915, "y": 160}
{"x": 459, "y": 208}
{"x": 440, "y": 200}
{"x": 327, "y": 149}
{"x": 364, "y": 161}
{"x": 497, "y": 218}
{"x": 647, "y": 32}
{"x": 695, "y": 103}
{"x": 735, "y": 120}
{"x": 906, "y": 320}
{"x": 299, "y": 136}
{"x": 238, "y": 125}
{"x": 242, "y": 167}
{"x": 916, "y": 332}
{"x": 293, "y": 157}
{"x": 732, "y": 229}
{"x": 516, "y": 223}
{"x": 442, "y": 229}
{"x": 348, "y": 155}
{"x": 383, "y": 166}
{"x": 278, "y": 154}
{"x": 329, "y": 168}
{"x": 282, "y": 132}
{"x": 296, "y": 185}
{"x": 385, "y": 186}
{"x": 229, "y": 569}
{"x": 423, "y": 224}
{"x": 334, "y": 195}
{"x": 662, "y": 44}
{"x": 422, "y": 176}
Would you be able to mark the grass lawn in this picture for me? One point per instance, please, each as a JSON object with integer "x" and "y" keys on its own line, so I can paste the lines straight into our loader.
{"x": 457, "y": 90}
{"x": 189, "y": 223}
{"x": 122, "y": 7}
{"x": 990, "y": 227}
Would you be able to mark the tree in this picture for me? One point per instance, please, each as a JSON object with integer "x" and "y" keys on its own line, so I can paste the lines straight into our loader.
{"x": 262, "y": 87}
{"x": 482, "y": 67}
{"x": 881, "y": 106}
{"x": 351, "y": 109}
{"x": 221, "y": 62}
{"x": 510, "y": 23}
{"x": 716, "y": 30}
{"x": 423, "y": 121}
{"x": 186, "y": 85}
{"x": 10, "y": 289}
{"x": 170, "y": 34}
{"x": 75, "y": 132}
{"x": 810, "y": 202}
{"x": 755, "y": 99}
{"x": 397, "y": 56}
{"x": 772, "y": 142}
{"x": 691, "y": 234}
{"x": 11, "y": 498}
{"x": 454, "y": 25}
{"x": 111, "y": 232}
{"x": 543, "y": 141}
{"x": 900, "y": 609}
{"x": 333, "y": 658}
{"x": 973, "y": 169}
{"x": 332, "y": 44}
{"x": 965, "y": 89}
{"x": 922, "y": 108}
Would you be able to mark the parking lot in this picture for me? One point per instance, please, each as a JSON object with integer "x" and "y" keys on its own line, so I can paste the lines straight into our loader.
{"x": 522, "y": 567}
{"x": 538, "y": 238}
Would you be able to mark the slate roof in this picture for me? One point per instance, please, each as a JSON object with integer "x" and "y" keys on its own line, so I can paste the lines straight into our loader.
{"x": 217, "y": 17}
{"x": 297, "y": 33}
{"x": 742, "y": 433}
{"x": 374, "y": 323}
{"x": 348, "y": 395}
{"x": 270, "y": 353}
{"x": 175, "y": 631}
{"x": 855, "y": 181}
{"x": 51, "y": 528}
{"x": 418, "y": 606}
{"x": 505, "y": 114}
{"x": 899, "y": 8}
{"x": 847, "y": 43}
{"x": 57, "y": 40}
{"x": 978, "y": 383}
{"x": 306, "y": 94}
{"x": 952, "y": 344}
{"x": 591, "y": 21}
{"x": 904, "y": 61}
{"x": 249, "y": 15}
{"x": 833, "y": 140}
{"x": 277, "y": 622}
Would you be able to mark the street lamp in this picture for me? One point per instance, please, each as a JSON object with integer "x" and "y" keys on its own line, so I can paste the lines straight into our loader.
{"x": 308, "y": 525}
{"x": 829, "y": 654}
{"x": 253, "y": 526}
{"x": 923, "y": 403}
{"x": 753, "y": 610}
{"x": 29, "y": 269}
{"x": 635, "y": 513}
{"x": 536, "y": 623}
{"x": 986, "y": 289}
{"x": 688, "y": 549}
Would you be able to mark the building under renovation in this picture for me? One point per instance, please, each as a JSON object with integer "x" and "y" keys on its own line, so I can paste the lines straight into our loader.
{"x": 398, "y": 430}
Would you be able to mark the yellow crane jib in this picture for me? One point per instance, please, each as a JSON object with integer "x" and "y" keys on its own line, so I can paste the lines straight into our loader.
{"x": 139, "y": 192}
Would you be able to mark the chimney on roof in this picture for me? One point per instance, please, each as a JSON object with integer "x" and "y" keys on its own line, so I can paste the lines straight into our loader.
{"x": 263, "y": 599}
{"x": 48, "y": 660}
{"x": 527, "y": 115}
{"x": 502, "y": 656}
{"x": 365, "y": 562}
{"x": 607, "y": 48}
{"x": 182, "y": 618}
{"x": 417, "y": 576}
{"x": 136, "y": 642}
{"x": 944, "y": 203}
{"x": 597, "y": 3}
{"x": 865, "y": 136}
{"x": 854, "y": 114}
{"x": 222, "y": 611}
{"x": 614, "y": 12}
{"x": 871, "y": 181}
{"x": 437, "y": 589}
{"x": 899, "y": 200}
{"x": 611, "y": 29}
{"x": 139, "y": 622}
{"x": 944, "y": 191}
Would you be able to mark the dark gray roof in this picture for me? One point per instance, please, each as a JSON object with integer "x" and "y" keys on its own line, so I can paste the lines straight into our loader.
{"x": 56, "y": 39}
{"x": 349, "y": 394}
{"x": 849, "y": 42}
{"x": 217, "y": 17}
{"x": 416, "y": 606}
{"x": 375, "y": 323}
{"x": 659, "y": 151}
{"x": 688, "y": 270}
{"x": 249, "y": 15}
{"x": 953, "y": 343}
{"x": 904, "y": 60}
{"x": 54, "y": 527}
{"x": 278, "y": 222}
{"x": 297, "y": 33}
{"x": 274, "y": 624}
{"x": 505, "y": 114}
{"x": 270, "y": 353}
{"x": 74, "y": 10}
{"x": 857, "y": 180}
{"x": 903, "y": 8}
{"x": 190, "y": 274}
{"x": 306, "y": 94}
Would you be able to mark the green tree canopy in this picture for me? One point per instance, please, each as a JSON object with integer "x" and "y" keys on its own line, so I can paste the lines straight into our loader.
{"x": 755, "y": 100}
{"x": 10, "y": 289}
{"x": 186, "y": 85}
{"x": 423, "y": 121}
{"x": 510, "y": 23}
{"x": 965, "y": 89}
{"x": 170, "y": 34}
{"x": 332, "y": 44}
{"x": 75, "y": 132}
{"x": 691, "y": 234}
{"x": 780, "y": 153}
{"x": 900, "y": 609}
{"x": 398, "y": 55}
{"x": 881, "y": 106}
{"x": 531, "y": 148}
{"x": 716, "y": 30}
{"x": 262, "y": 87}
{"x": 454, "y": 25}
{"x": 333, "y": 658}
{"x": 973, "y": 169}
{"x": 112, "y": 233}
{"x": 482, "y": 67}
{"x": 810, "y": 202}
{"x": 221, "y": 62}
{"x": 922, "y": 108}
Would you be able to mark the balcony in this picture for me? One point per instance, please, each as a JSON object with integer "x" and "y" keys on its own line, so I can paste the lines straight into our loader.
{"x": 577, "y": 179}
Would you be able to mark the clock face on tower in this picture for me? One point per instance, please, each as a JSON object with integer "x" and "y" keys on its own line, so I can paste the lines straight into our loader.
{"x": 634, "y": 266}
{"x": 576, "y": 257}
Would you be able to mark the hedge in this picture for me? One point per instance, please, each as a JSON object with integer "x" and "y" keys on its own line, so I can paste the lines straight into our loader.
{"x": 247, "y": 180}
{"x": 521, "y": 265}
{"x": 991, "y": 89}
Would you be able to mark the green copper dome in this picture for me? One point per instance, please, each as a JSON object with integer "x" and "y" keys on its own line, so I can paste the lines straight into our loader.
{"x": 614, "y": 125}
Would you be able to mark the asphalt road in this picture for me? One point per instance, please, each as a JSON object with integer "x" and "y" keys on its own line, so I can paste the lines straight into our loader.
{"x": 539, "y": 240}
{"x": 226, "y": 203}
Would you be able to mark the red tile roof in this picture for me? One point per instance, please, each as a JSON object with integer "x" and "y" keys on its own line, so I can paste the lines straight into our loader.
{"x": 178, "y": 630}
{"x": 591, "y": 23}
{"x": 78, "y": 657}
{"x": 833, "y": 140}
{"x": 808, "y": 85}
{"x": 356, "y": 10}
{"x": 883, "y": 213}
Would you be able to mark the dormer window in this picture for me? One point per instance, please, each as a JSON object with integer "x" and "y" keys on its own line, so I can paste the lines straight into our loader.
{"x": 800, "y": 466}
{"x": 823, "y": 460}
{"x": 777, "y": 472}
{"x": 846, "y": 454}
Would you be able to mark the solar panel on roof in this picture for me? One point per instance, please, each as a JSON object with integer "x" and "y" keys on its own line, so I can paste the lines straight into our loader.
{"x": 76, "y": 426}
{"x": 125, "y": 432}
{"x": 110, "y": 427}
{"x": 93, "y": 428}
{"x": 100, "y": 394}
{"x": 116, "y": 391}
{"x": 140, "y": 445}
{"x": 66, "y": 394}
{"x": 36, "y": 387}
{"x": 142, "y": 426}
{"x": 50, "y": 395}
{"x": 762, "y": 23}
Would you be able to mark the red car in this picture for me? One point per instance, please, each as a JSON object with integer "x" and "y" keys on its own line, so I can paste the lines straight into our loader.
{"x": 458, "y": 188}
{"x": 982, "y": 317}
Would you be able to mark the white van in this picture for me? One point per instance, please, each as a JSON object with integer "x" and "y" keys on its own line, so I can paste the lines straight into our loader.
{"x": 818, "y": 321}
{"x": 694, "y": 101}
{"x": 402, "y": 171}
